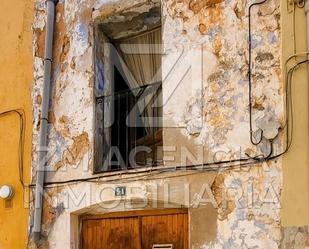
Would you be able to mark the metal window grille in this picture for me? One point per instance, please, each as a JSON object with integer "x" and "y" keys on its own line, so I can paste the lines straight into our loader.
{"x": 137, "y": 125}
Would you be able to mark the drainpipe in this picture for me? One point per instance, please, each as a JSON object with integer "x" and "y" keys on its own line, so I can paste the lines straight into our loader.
{"x": 307, "y": 22}
{"x": 42, "y": 152}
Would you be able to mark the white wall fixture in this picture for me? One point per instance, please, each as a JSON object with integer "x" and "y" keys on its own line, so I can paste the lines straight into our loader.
{"x": 6, "y": 192}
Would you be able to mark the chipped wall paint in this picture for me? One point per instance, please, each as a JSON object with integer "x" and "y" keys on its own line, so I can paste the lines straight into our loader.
{"x": 295, "y": 237}
{"x": 208, "y": 110}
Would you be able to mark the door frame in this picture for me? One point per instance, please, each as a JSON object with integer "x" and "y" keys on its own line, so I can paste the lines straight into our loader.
{"x": 134, "y": 213}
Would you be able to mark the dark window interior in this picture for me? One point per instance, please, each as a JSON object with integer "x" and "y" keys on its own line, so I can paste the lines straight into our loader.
{"x": 129, "y": 116}
{"x": 122, "y": 136}
{"x": 128, "y": 137}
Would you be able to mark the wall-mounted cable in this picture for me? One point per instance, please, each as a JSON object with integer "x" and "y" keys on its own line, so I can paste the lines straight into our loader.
{"x": 21, "y": 142}
{"x": 252, "y": 139}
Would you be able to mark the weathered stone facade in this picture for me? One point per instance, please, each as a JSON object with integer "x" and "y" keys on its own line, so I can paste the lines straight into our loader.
{"x": 295, "y": 237}
{"x": 233, "y": 207}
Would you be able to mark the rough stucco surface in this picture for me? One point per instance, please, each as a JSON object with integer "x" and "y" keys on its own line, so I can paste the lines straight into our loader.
{"x": 212, "y": 115}
{"x": 295, "y": 237}
{"x": 221, "y": 31}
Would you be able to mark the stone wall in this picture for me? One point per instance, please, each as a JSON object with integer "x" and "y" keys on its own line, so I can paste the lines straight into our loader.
{"x": 235, "y": 206}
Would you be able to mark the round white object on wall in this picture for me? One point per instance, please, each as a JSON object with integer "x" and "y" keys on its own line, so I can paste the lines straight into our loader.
{"x": 6, "y": 192}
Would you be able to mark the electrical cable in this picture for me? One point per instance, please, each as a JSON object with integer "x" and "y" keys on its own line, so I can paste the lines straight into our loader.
{"x": 250, "y": 78}
{"x": 299, "y": 4}
{"x": 21, "y": 142}
{"x": 305, "y": 54}
{"x": 289, "y": 86}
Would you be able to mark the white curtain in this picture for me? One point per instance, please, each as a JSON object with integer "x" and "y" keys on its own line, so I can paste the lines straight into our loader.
{"x": 142, "y": 55}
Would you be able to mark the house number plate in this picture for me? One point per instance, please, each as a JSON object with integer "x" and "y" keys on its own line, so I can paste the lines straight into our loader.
{"x": 120, "y": 191}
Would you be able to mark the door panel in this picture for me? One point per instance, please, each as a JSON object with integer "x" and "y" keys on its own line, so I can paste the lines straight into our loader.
{"x": 165, "y": 229}
{"x": 140, "y": 231}
{"x": 118, "y": 233}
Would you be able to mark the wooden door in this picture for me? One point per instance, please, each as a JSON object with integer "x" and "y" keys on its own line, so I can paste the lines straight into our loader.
{"x": 165, "y": 229}
{"x": 136, "y": 230}
{"x": 115, "y": 233}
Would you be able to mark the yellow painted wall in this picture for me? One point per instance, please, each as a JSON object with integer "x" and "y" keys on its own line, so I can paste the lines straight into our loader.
{"x": 295, "y": 199}
{"x": 15, "y": 89}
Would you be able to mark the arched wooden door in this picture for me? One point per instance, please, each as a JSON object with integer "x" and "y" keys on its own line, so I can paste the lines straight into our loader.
{"x": 136, "y": 230}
